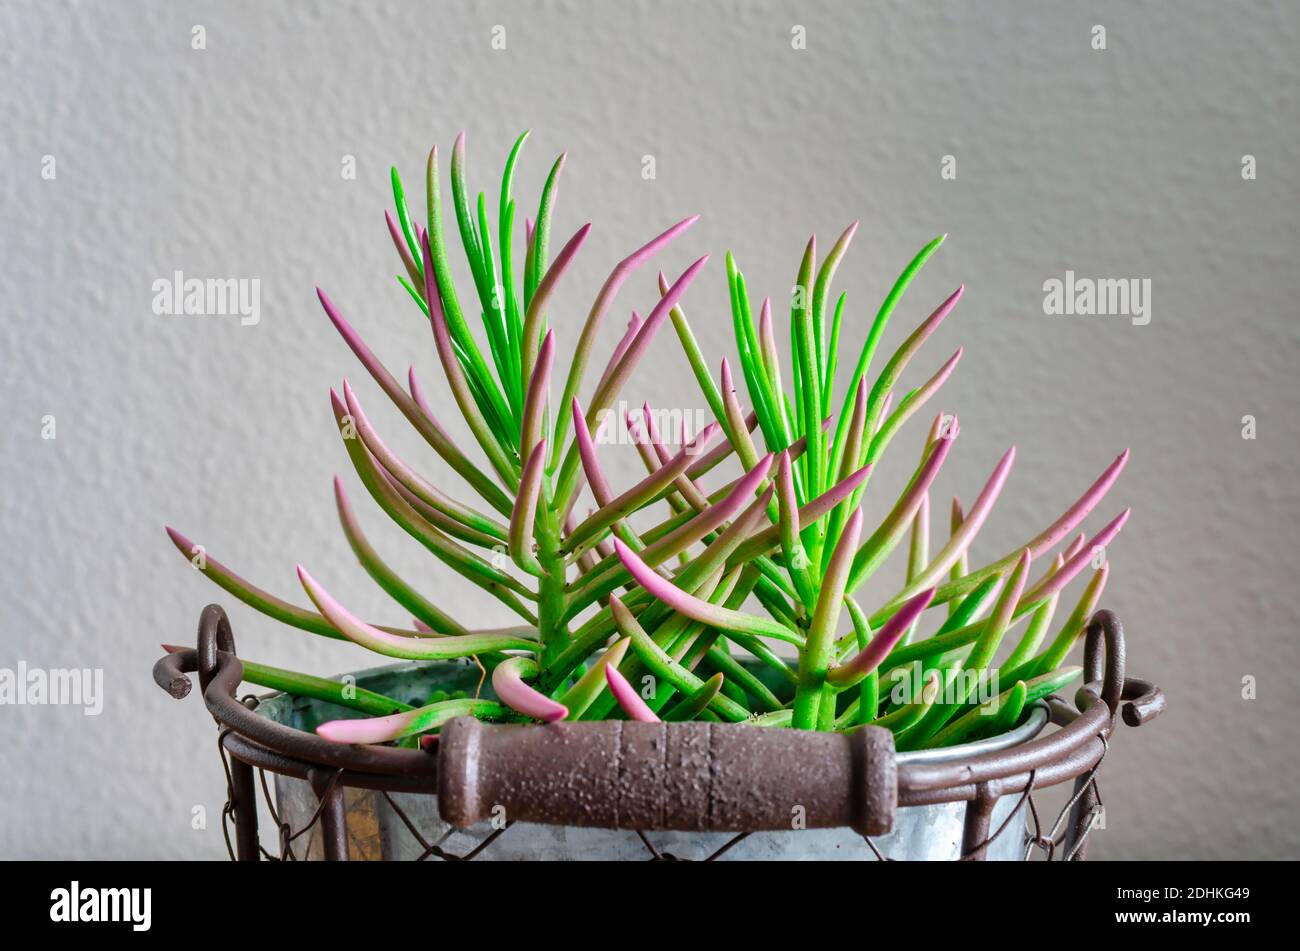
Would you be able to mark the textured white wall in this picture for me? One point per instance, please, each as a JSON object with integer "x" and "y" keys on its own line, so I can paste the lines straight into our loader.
{"x": 226, "y": 162}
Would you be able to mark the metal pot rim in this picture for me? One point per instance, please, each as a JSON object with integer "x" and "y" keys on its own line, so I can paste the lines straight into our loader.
{"x": 1039, "y": 716}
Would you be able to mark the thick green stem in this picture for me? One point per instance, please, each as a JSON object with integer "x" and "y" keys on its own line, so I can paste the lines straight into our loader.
{"x": 552, "y": 630}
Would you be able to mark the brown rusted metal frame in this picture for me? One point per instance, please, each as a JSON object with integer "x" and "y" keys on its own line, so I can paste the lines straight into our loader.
{"x": 1071, "y": 753}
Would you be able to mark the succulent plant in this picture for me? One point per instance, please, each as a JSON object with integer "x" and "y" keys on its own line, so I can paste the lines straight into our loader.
{"x": 605, "y": 608}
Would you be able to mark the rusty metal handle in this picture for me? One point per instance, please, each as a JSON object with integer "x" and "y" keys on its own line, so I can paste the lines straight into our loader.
{"x": 1138, "y": 701}
{"x": 690, "y": 777}
{"x": 220, "y": 673}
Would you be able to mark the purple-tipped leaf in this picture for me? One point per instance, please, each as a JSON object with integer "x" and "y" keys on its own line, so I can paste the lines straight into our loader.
{"x": 530, "y": 429}
{"x": 604, "y": 396}
{"x": 408, "y": 648}
{"x": 882, "y": 542}
{"x": 604, "y": 299}
{"x": 1079, "y": 561}
{"x": 741, "y": 440}
{"x": 508, "y": 683}
{"x": 412, "y": 481}
{"x": 524, "y": 515}
{"x": 697, "y": 609}
{"x": 964, "y": 533}
{"x": 587, "y": 453}
{"x": 870, "y": 657}
{"x": 628, "y": 698}
{"x": 418, "y": 417}
{"x": 399, "y": 242}
{"x": 407, "y": 723}
{"x": 541, "y": 296}
{"x": 633, "y": 328}
{"x": 1051, "y": 536}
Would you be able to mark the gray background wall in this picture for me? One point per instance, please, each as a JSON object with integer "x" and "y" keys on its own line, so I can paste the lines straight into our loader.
{"x": 226, "y": 162}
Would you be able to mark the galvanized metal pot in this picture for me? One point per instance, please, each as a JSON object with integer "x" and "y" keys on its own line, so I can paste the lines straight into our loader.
{"x": 403, "y": 826}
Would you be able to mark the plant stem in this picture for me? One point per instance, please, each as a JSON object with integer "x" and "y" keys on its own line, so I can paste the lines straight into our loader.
{"x": 552, "y": 630}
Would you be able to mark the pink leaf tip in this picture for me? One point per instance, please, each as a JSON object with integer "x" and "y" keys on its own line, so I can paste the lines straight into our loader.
{"x": 627, "y": 697}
